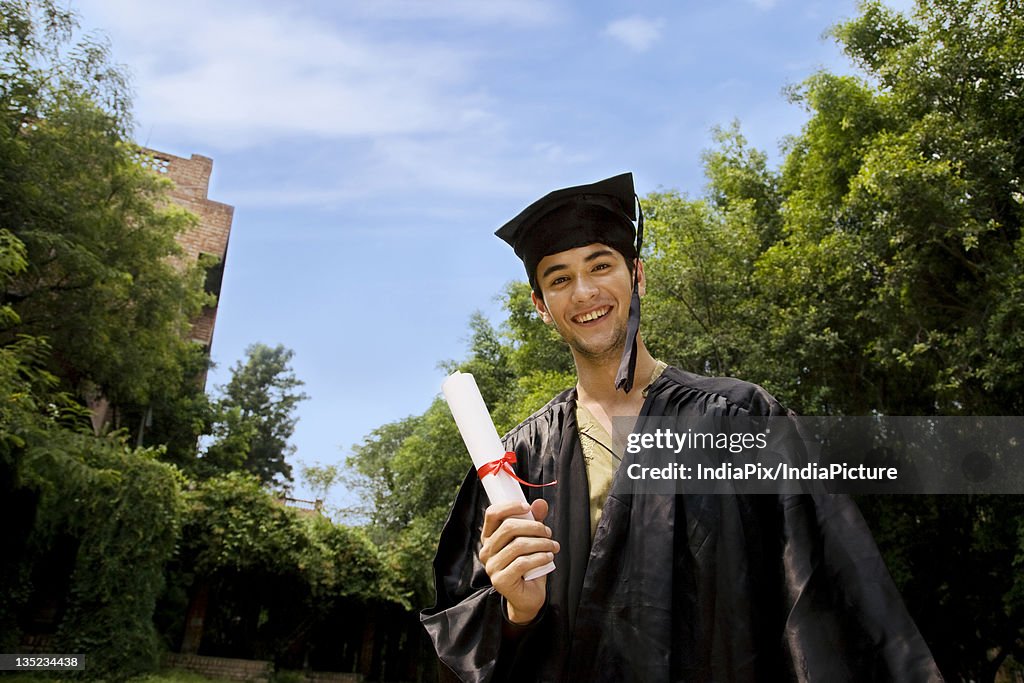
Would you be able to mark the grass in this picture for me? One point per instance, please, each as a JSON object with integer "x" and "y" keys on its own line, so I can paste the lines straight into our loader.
{"x": 176, "y": 676}
{"x": 161, "y": 676}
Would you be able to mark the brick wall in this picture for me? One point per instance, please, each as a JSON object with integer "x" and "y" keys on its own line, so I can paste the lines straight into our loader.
{"x": 222, "y": 668}
{"x": 225, "y": 668}
{"x": 332, "y": 677}
{"x": 191, "y": 178}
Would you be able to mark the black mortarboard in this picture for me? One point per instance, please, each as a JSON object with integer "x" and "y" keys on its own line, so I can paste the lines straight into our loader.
{"x": 574, "y": 217}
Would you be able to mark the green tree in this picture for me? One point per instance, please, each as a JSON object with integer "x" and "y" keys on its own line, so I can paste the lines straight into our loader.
{"x": 270, "y": 576}
{"x": 897, "y": 286}
{"x": 902, "y": 219}
{"x": 90, "y": 303}
{"x": 369, "y": 470}
{"x": 321, "y": 480}
{"x": 177, "y": 421}
{"x": 697, "y": 313}
{"x": 257, "y": 415}
{"x": 101, "y": 282}
{"x": 739, "y": 179}
{"x": 85, "y": 517}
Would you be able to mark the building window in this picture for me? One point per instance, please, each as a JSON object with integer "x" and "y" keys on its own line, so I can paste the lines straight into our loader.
{"x": 152, "y": 162}
{"x": 214, "y": 266}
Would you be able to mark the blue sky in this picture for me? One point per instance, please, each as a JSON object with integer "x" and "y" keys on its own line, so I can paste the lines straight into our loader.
{"x": 371, "y": 148}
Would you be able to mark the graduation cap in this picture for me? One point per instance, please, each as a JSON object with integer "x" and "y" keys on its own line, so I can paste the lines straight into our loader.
{"x": 577, "y": 216}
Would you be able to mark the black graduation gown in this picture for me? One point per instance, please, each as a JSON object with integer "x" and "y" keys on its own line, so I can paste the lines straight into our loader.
{"x": 676, "y": 587}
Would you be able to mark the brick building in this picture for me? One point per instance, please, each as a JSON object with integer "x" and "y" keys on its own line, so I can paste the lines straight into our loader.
{"x": 207, "y": 241}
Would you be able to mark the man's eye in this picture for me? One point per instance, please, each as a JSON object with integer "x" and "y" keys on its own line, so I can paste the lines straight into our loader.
{"x": 559, "y": 280}
{"x": 602, "y": 266}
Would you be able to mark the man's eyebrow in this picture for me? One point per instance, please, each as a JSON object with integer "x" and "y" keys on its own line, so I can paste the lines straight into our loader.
{"x": 552, "y": 269}
{"x": 599, "y": 254}
{"x": 590, "y": 257}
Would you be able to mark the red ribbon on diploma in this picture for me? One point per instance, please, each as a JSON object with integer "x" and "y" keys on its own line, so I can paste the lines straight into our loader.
{"x": 505, "y": 463}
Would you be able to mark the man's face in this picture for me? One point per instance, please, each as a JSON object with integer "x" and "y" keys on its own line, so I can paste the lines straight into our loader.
{"x": 587, "y": 292}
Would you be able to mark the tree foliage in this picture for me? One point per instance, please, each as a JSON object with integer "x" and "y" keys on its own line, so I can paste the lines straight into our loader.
{"x": 98, "y": 235}
{"x": 903, "y": 207}
{"x": 88, "y": 302}
{"x": 89, "y": 522}
{"x": 320, "y": 479}
{"x": 255, "y": 416}
{"x": 701, "y": 259}
{"x": 270, "y": 571}
{"x": 234, "y": 526}
{"x": 95, "y": 301}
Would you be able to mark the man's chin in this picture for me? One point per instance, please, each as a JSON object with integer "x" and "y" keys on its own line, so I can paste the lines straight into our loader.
{"x": 597, "y": 351}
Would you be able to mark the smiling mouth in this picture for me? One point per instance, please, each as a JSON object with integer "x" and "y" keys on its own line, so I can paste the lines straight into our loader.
{"x": 592, "y": 315}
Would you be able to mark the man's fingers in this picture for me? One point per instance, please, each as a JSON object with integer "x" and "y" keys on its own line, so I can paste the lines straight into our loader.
{"x": 496, "y": 514}
{"x": 539, "y": 508}
{"x": 511, "y": 529}
{"x": 505, "y": 534}
{"x": 523, "y": 546}
{"x": 514, "y": 572}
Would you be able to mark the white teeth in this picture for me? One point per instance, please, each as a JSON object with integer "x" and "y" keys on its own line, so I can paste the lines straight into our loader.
{"x": 593, "y": 315}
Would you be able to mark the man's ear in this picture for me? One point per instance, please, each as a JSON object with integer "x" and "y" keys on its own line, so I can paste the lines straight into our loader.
{"x": 538, "y": 303}
{"x": 641, "y": 279}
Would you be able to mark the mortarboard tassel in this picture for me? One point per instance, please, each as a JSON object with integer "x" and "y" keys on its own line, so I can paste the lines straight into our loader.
{"x": 627, "y": 366}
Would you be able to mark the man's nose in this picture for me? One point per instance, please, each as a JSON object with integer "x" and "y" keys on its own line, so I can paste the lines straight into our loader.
{"x": 584, "y": 288}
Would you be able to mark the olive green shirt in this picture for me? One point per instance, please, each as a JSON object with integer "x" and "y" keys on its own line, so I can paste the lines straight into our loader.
{"x": 599, "y": 455}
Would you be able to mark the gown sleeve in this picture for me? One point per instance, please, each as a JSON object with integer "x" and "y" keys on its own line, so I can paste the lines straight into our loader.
{"x": 467, "y": 624}
{"x": 846, "y": 620}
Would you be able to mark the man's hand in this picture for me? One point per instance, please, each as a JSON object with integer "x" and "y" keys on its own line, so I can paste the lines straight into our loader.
{"x": 512, "y": 547}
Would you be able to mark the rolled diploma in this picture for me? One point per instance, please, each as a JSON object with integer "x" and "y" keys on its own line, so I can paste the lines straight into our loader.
{"x": 484, "y": 445}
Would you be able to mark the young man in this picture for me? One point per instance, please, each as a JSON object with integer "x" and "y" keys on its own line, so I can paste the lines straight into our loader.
{"x": 648, "y": 587}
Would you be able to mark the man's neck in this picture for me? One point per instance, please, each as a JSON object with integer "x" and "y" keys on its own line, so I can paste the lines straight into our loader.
{"x": 596, "y": 382}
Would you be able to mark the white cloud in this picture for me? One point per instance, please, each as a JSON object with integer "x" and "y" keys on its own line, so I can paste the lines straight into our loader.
{"x": 236, "y": 75}
{"x": 329, "y": 109}
{"x": 553, "y": 153}
{"x": 764, "y": 4}
{"x": 636, "y": 33}
{"x": 391, "y": 166}
{"x": 505, "y": 12}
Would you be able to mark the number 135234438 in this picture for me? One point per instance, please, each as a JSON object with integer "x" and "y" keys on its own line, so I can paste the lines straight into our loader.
{"x": 40, "y": 662}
